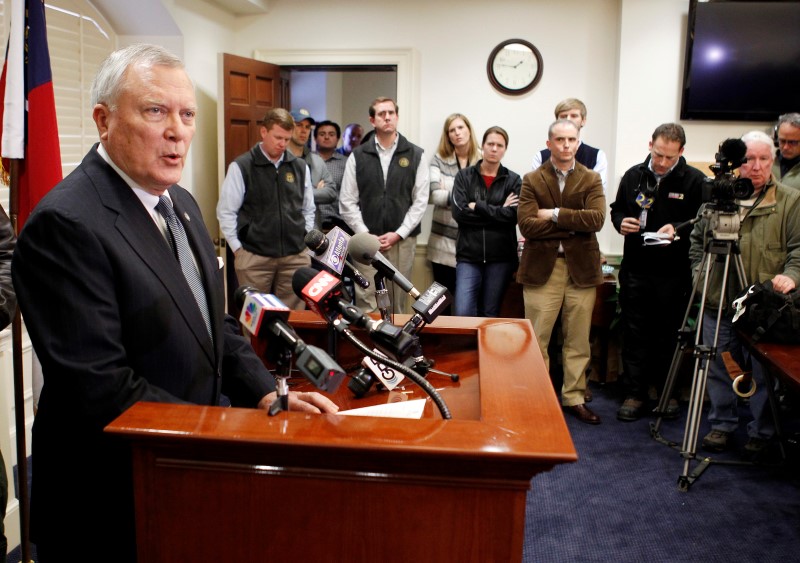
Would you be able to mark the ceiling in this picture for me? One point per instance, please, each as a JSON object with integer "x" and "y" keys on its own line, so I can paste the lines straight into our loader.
{"x": 242, "y": 7}
{"x": 125, "y": 16}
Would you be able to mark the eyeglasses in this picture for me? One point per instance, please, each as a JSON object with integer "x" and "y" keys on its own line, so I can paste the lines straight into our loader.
{"x": 789, "y": 142}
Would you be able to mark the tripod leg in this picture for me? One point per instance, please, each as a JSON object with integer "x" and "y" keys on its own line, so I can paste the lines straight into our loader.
{"x": 685, "y": 334}
{"x": 689, "y": 447}
{"x": 704, "y": 354}
{"x": 669, "y": 385}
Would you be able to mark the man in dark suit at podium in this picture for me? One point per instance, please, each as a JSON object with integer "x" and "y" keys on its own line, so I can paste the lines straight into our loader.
{"x": 123, "y": 300}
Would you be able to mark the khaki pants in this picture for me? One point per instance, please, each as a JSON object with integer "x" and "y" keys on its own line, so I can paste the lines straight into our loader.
{"x": 401, "y": 255}
{"x": 542, "y": 305}
{"x": 271, "y": 275}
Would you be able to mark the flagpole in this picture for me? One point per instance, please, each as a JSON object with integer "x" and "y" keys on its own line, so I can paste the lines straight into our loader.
{"x": 19, "y": 387}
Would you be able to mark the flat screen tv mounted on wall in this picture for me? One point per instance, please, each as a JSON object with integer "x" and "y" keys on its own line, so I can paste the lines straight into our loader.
{"x": 742, "y": 60}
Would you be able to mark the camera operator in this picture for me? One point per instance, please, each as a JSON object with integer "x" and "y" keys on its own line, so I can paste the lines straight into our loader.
{"x": 655, "y": 281}
{"x": 769, "y": 241}
{"x": 787, "y": 139}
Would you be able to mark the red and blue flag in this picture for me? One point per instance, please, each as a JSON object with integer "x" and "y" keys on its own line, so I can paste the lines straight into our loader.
{"x": 28, "y": 114}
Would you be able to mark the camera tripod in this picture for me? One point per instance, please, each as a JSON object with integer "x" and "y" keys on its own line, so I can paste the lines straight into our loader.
{"x": 718, "y": 250}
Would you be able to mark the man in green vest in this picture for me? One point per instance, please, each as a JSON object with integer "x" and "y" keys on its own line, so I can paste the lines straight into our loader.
{"x": 385, "y": 192}
{"x": 265, "y": 208}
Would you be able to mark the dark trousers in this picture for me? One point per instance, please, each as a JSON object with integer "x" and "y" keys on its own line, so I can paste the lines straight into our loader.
{"x": 653, "y": 307}
{"x": 445, "y": 275}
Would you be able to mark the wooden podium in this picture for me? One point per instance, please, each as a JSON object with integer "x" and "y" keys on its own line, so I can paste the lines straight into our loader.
{"x": 227, "y": 484}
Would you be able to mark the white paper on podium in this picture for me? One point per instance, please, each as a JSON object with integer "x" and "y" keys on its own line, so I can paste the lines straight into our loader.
{"x": 404, "y": 409}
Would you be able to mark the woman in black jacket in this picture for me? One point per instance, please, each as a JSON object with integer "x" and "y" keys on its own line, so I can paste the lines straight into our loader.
{"x": 484, "y": 204}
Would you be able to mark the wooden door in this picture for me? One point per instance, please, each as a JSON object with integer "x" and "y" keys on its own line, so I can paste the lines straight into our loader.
{"x": 250, "y": 88}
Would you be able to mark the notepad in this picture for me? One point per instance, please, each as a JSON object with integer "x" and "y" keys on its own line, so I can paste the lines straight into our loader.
{"x": 656, "y": 239}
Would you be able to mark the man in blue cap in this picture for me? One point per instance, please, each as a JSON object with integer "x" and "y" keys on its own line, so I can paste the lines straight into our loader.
{"x": 325, "y": 191}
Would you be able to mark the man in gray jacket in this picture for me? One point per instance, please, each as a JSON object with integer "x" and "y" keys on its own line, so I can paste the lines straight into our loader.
{"x": 326, "y": 192}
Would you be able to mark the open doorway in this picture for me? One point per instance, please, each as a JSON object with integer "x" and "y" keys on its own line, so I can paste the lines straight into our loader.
{"x": 340, "y": 94}
{"x": 404, "y": 62}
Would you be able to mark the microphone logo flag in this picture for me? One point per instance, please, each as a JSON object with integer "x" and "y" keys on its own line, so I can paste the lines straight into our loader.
{"x": 317, "y": 289}
{"x": 336, "y": 252}
{"x": 321, "y": 283}
{"x": 254, "y": 308}
{"x": 385, "y": 374}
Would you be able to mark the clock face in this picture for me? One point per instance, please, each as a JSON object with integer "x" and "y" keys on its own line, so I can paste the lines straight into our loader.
{"x": 515, "y": 66}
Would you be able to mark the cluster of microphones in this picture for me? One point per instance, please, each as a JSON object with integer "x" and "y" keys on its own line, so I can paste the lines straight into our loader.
{"x": 396, "y": 350}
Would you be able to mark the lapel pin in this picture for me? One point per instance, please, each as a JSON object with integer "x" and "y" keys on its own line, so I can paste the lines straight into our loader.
{"x": 186, "y": 216}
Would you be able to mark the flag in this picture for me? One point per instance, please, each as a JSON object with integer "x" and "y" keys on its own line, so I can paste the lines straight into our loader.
{"x": 28, "y": 114}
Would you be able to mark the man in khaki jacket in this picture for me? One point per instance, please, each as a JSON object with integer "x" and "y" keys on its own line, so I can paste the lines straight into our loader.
{"x": 561, "y": 207}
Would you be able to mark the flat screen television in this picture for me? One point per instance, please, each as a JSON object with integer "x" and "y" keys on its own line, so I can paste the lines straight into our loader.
{"x": 742, "y": 61}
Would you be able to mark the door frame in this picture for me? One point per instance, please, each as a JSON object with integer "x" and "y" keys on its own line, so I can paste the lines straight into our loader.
{"x": 406, "y": 61}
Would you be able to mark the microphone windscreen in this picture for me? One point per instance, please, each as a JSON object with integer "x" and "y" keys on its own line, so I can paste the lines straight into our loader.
{"x": 316, "y": 241}
{"x": 241, "y": 294}
{"x": 301, "y": 277}
{"x": 733, "y": 149}
{"x": 363, "y": 247}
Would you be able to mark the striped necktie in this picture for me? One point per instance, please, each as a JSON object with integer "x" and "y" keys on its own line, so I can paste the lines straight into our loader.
{"x": 183, "y": 252}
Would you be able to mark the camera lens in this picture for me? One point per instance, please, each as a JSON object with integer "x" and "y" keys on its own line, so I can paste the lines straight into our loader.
{"x": 743, "y": 188}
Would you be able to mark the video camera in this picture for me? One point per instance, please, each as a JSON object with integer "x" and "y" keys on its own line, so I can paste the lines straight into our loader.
{"x": 725, "y": 187}
{"x": 721, "y": 192}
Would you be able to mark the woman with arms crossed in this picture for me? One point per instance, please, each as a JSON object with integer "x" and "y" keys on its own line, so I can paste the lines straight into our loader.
{"x": 484, "y": 203}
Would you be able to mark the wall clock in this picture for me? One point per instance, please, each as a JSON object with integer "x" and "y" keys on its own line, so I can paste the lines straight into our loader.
{"x": 514, "y": 67}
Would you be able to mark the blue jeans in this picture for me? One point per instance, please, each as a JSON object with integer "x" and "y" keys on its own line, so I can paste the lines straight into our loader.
{"x": 480, "y": 287}
{"x": 723, "y": 415}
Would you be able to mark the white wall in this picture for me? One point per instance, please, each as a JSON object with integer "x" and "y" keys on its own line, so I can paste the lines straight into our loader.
{"x": 361, "y": 89}
{"x": 622, "y": 57}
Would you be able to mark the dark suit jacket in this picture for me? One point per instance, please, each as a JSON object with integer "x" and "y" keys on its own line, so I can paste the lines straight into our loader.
{"x": 582, "y": 210}
{"x": 114, "y": 322}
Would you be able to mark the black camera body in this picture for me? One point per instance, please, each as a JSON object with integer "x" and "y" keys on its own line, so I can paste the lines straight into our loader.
{"x": 721, "y": 191}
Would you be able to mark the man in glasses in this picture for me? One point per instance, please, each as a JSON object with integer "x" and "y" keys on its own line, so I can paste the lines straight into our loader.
{"x": 787, "y": 161}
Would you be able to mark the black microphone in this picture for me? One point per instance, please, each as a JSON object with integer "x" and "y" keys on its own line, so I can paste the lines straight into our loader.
{"x": 264, "y": 315}
{"x": 364, "y": 250}
{"x": 430, "y": 304}
{"x": 330, "y": 251}
{"x": 322, "y": 293}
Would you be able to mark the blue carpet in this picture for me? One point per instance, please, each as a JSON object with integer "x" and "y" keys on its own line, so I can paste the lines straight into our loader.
{"x": 620, "y": 502}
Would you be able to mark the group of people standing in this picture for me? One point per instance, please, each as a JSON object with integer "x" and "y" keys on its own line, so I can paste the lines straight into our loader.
{"x": 279, "y": 190}
{"x": 559, "y": 207}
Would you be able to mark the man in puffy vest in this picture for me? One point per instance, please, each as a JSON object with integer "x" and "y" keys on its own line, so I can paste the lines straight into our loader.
{"x": 265, "y": 208}
{"x": 385, "y": 192}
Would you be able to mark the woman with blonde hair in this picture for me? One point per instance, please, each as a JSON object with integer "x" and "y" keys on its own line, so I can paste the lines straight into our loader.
{"x": 458, "y": 149}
